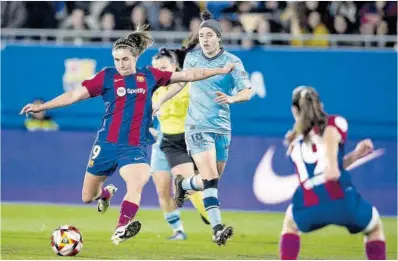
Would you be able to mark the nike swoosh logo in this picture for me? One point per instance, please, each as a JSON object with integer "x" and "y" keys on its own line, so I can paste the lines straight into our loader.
{"x": 270, "y": 188}
{"x": 117, "y": 80}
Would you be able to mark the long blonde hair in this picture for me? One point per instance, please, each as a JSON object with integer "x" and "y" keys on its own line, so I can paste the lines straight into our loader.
{"x": 137, "y": 41}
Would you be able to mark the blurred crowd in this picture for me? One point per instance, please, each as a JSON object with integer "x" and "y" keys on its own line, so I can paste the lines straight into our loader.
{"x": 316, "y": 18}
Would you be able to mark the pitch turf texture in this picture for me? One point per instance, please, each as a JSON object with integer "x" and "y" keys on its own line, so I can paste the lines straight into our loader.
{"x": 26, "y": 230}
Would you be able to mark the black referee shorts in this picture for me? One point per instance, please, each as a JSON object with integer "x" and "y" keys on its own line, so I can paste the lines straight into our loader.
{"x": 175, "y": 149}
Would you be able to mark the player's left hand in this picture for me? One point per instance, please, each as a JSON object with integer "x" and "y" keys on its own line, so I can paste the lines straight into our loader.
{"x": 222, "y": 98}
{"x": 229, "y": 67}
{"x": 364, "y": 147}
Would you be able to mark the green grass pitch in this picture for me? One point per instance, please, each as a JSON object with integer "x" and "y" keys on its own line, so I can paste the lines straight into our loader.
{"x": 26, "y": 230}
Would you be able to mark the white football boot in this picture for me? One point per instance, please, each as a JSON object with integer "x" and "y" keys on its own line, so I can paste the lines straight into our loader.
{"x": 103, "y": 204}
{"x": 123, "y": 233}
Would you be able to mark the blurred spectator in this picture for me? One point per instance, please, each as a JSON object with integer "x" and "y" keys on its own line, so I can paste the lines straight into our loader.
{"x": 40, "y": 121}
{"x": 166, "y": 20}
{"x": 194, "y": 25}
{"x": 237, "y": 29}
{"x": 318, "y": 29}
{"x": 340, "y": 27}
{"x": 183, "y": 12}
{"x": 347, "y": 9}
{"x": 138, "y": 17}
{"x": 297, "y": 18}
{"x": 13, "y": 14}
{"x": 382, "y": 30}
{"x": 107, "y": 25}
{"x": 77, "y": 21}
{"x": 262, "y": 30}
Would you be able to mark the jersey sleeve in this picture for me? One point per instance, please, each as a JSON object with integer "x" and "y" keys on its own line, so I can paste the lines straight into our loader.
{"x": 187, "y": 64}
{"x": 240, "y": 77}
{"x": 95, "y": 84}
{"x": 340, "y": 124}
{"x": 162, "y": 78}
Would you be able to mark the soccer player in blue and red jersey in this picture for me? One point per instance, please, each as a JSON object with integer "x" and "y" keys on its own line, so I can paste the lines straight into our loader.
{"x": 124, "y": 133}
{"x": 326, "y": 195}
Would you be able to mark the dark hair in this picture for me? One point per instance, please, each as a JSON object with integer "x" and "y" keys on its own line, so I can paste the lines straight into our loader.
{"x": 178, "y": 55}
{"x": 137, "y": 41}
{"x": 206, "y": 15}
{"x": 311, "y": 114}
{"x": 164, "y": 52}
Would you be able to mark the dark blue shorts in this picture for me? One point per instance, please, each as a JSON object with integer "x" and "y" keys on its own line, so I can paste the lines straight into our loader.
{"x": 351, "y": 212}
{"x": 106, "y": 157}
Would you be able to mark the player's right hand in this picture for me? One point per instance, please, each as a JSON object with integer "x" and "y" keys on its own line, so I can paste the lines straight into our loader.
{"x": 364, "y": 147}
{"x": 30, "y": 107}
{"x": 229, "y": 67}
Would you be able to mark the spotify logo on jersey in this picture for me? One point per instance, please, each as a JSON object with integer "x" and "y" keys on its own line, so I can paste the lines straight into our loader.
{"x": 121, "y": 91}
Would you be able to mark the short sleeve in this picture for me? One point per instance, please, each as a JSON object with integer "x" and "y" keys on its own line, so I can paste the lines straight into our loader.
{"x": 240, "y": 77}
{"x": 162, "y": 78}
{"x": 340, "y": 124}
{"x": 95, "y": 84}
{"x": 187, "y": 63}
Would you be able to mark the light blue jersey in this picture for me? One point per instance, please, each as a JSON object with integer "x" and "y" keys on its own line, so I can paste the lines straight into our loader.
{"x": 205, "y": 115}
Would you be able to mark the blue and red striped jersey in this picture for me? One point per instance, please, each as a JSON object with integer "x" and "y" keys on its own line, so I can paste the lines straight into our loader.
{"x": 309, "y": 160}
{"x": 128, "y": 103}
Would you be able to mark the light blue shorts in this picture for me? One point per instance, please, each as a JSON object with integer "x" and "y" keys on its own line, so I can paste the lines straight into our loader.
{"x": 158, "y": 160}
{"x": 203, "y": 141}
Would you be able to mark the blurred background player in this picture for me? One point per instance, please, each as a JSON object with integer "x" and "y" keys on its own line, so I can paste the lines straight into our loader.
{"x": 171, "y": 141}
{"x": 40, "y": 121}
{"x": 208, "y": 124}
{"x": 124, "y": 134}
{"x": 326, "y": 194}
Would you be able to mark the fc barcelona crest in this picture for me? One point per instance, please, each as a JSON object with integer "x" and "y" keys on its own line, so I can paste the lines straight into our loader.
{"x": 140, "y": 79}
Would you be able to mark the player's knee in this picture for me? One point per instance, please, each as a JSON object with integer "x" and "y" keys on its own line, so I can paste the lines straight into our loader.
{"x": 87, "y": 198}
{"x": 374, "y": 230}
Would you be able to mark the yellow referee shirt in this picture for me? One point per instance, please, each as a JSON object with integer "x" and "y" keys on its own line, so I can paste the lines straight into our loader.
{"x": 173, "y": 112}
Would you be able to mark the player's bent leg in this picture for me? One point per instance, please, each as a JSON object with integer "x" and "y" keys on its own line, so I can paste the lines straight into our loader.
{"x": 289, "y": 246}
{"x": 104, "y": 199}
{"x": 92, "y": 185}
{"x": 206, "y": 163}
{"x": 192, "y": 182}
{"x": 172, "y": 215}
{"x": 136, "y": 176}
{"x": 375, "y": 245}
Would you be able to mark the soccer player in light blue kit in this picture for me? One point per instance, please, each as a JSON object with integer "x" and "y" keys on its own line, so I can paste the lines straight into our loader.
{"x": 208, "y": 123}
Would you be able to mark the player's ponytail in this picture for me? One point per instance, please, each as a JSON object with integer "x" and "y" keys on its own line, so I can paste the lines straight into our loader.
{"x": 187, "y": 46}
{"x": 310, "y": 112}
{"x": 137, "y": 41}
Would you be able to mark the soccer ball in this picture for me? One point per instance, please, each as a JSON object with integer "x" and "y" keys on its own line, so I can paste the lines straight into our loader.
{"x": 66, "y": 241}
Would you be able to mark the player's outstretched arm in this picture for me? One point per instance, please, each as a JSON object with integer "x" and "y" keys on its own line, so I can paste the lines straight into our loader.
{"x": 197, "y": 74}
{"x": 332, "y": 138}
{"x": 363, "y": 148}
{"x": 62, "y": 100}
